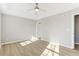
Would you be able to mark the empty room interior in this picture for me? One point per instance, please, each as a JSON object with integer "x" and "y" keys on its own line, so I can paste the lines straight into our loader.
{"x": 39, "y": 29}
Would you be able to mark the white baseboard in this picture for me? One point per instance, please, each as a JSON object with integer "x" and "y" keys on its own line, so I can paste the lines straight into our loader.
{"x": 12, "y": 42}
{"x": 26, "y": 40}
{"x": 77, "y": 43}
{"x": 45, "y": 40}
{"x": 67, "y": 46}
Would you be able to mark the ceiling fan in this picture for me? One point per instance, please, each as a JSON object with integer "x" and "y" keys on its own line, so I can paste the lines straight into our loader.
{"x": 37, "y": 9}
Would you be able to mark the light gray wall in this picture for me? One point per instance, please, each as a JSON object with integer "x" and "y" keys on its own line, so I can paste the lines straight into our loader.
{"x": 0, "y": 29}
{"x": 17, "y": 28}
{"x": 56, "y": 29}
{"x": 59, "y": 28}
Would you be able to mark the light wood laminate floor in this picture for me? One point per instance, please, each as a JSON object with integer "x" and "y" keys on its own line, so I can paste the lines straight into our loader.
{"x": 37, "y": 48}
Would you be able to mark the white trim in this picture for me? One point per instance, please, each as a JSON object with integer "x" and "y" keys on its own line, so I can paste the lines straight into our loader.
{"x": 45, "y": 40}
{"x": 12, "y": 42}
{"x": 73, "y": 40}
{"x": 64, "y": 45}
{"x": 67, "y": 46}
{"x": 77, "y": 43}
{"x": 25, "y": 40}
{"x": 73, "y": 29}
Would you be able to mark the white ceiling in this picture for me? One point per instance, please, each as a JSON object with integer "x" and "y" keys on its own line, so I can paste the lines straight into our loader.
{"x": 26, "y": 9}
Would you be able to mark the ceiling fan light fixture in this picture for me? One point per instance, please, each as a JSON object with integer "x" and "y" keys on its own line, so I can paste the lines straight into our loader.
{"x": 36, "y": 7}
{"x": 36, "y": 10}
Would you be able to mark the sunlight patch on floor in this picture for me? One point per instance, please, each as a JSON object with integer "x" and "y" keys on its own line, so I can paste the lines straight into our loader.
{"x": 47, "y": 53}
{"x": 34, "y": 39}
{"x": 25, "y": 43}
{"x": 51, "y": 50}
{"x": 29, "y": 41}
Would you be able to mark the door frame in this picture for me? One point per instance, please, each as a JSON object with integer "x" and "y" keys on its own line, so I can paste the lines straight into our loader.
{"x": 73, "y": 29}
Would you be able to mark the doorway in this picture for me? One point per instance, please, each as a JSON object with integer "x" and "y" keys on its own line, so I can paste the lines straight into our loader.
{"x": 76, "y": 41}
